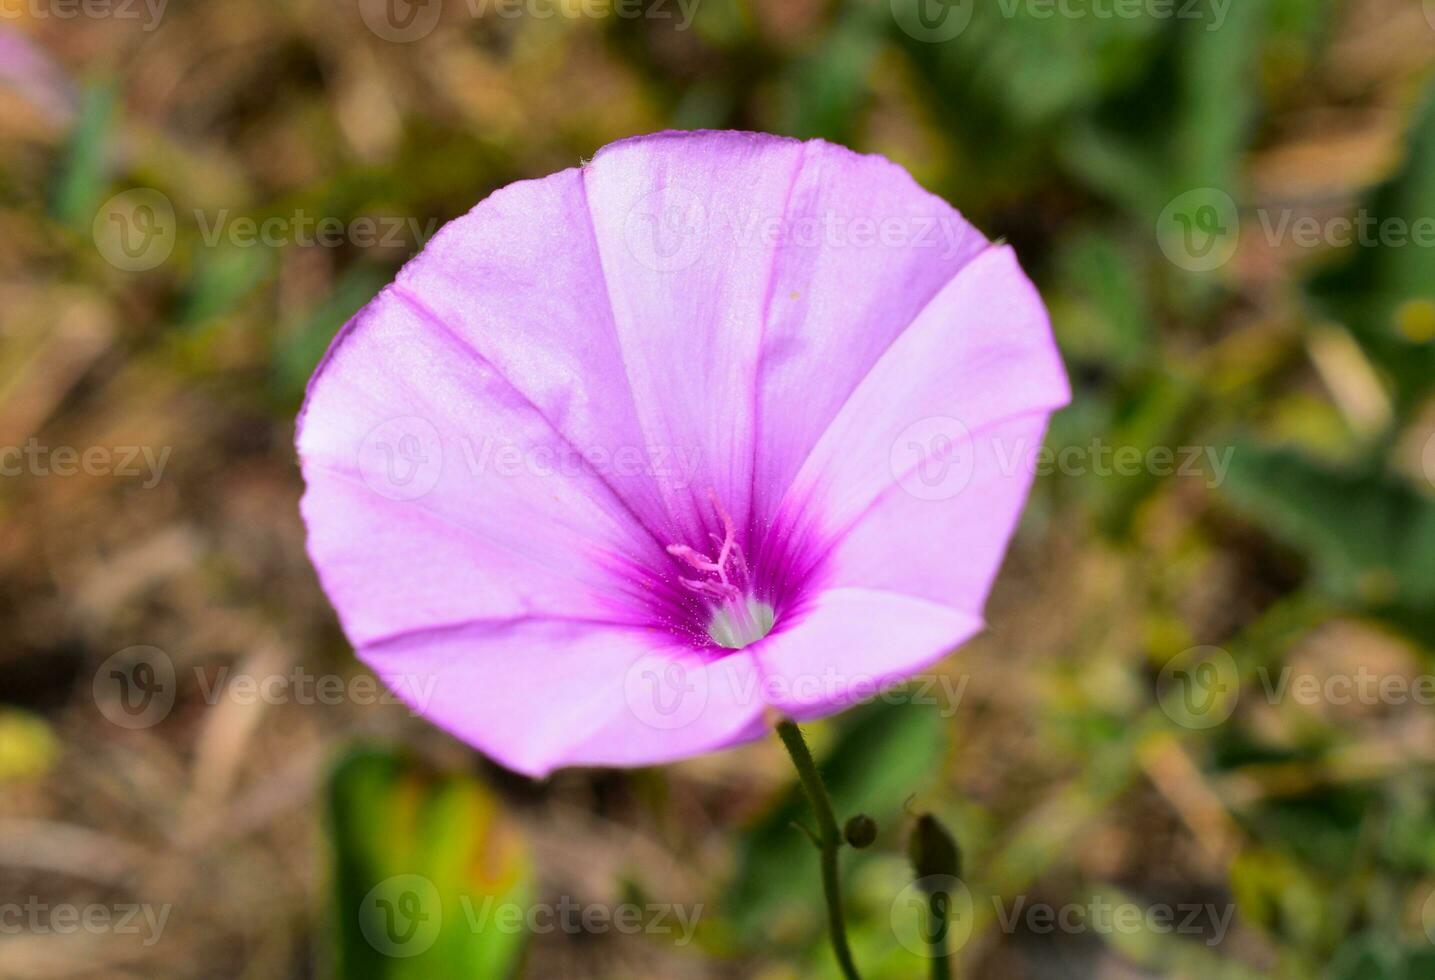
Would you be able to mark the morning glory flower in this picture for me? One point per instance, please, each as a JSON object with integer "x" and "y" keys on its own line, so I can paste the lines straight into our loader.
{"x": 717, "y": 427}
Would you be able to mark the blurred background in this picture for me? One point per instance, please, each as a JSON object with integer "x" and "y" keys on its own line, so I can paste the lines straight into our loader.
{"x": 1197, "y": 740}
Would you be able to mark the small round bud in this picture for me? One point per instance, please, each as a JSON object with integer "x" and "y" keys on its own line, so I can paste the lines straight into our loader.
{"x": 932, "y": 850}
{"x": 860, "y": 831}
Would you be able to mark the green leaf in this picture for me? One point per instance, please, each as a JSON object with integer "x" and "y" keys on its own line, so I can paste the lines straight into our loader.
{"x": 424, "y": 868}
{"x": 298, "y": 351}
{"x": 1375, "y": 955}
{"x": 224, "y": 277}
{"x": 81, "y": 182}
{"x": 1385, "y": 293}
{"x": 1370, "y": 538}
{"x": 1102, "y": 308}
{"x": 830, "y": 85}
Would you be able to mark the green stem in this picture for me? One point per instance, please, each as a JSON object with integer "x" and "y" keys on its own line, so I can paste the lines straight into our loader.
{"x": 937, "y": 926}
{"x": 829, "y": 839}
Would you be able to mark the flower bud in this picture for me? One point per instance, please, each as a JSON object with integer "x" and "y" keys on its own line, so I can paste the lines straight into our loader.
{"x": 933, "y": 851}
{"x": 860, "y": 831}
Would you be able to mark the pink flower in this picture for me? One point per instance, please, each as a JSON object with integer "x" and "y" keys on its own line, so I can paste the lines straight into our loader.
{"x": 717, "y": 423}
{"x": 26, "y": 68}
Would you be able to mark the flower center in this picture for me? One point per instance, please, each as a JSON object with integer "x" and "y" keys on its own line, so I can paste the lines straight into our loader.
{"x": 737, "y": 617}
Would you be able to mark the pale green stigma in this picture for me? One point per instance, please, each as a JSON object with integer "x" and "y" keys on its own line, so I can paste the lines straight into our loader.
{"x": 740, "y": 623}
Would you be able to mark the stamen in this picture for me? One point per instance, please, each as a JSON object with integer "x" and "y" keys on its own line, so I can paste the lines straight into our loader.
{"x": 738, "y": 618}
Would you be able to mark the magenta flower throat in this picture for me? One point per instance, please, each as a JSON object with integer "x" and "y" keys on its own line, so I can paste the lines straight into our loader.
{"x": 635, "y": 455}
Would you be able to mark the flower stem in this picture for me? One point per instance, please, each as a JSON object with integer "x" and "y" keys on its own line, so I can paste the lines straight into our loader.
{"x": 829, "y": 839}
{"x": 937, "y": 925}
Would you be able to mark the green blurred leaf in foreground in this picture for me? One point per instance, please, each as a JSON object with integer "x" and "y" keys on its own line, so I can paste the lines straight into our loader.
{"x": 425, "y": 876}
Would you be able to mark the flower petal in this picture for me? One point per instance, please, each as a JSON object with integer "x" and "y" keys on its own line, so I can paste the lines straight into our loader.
{"x": 943, "y": 537}
{"x": 436, "y": 494}
{"x": 538, "y": 694}
{"x": 864, "y": 249}
{"x": 518, "y": 280}
{"x": 678, "y": 219}
{"x": 852, "y": 643}
{"x": 936, "y": 444}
